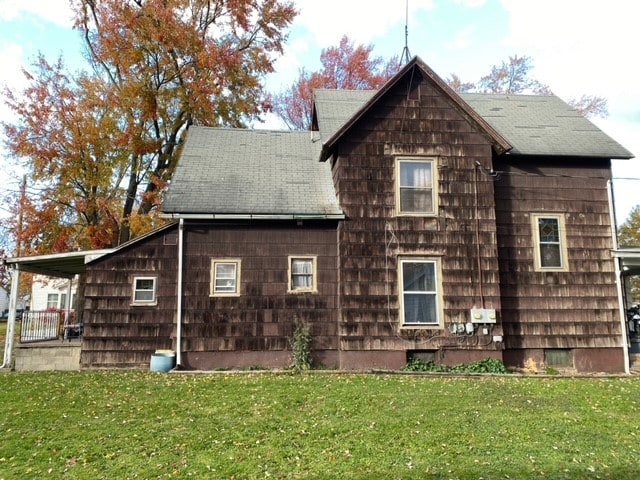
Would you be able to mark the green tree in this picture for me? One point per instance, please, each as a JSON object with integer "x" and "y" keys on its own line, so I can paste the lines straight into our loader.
{"x": 100, "y": 146}
{"x": 629, "y": 236}
{"x": 629, "y": 231}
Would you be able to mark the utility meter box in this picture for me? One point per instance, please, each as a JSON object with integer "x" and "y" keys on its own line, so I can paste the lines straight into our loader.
{"x": 483, "y": 315}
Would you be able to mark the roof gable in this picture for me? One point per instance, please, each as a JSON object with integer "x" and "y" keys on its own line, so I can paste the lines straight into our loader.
{"x": 334, "y": 133}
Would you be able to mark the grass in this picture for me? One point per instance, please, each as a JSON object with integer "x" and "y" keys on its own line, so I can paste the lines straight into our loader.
{"x": 105, "y": 425}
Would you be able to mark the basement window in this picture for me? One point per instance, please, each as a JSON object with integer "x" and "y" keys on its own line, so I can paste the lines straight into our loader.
{"x": 225, "y": 277}
{"x": 144, "y": 291}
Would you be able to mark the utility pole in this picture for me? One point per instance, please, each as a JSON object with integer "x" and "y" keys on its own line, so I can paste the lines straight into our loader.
{"x": 21, "y": 202}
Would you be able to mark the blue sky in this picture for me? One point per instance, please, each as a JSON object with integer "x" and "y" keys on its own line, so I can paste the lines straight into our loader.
{"x": 578, "y": 46}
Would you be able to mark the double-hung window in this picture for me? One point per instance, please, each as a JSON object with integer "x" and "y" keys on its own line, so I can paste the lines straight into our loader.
{"x": 52, "y": 301}
{"x": 419, "y": 292}
{"x": 415, "y": 186}
{"x": 144, "y": 291}
{"x": 549, "y": 242}
{"x": 225, "y": 277}
{"x": 302, "y": 274}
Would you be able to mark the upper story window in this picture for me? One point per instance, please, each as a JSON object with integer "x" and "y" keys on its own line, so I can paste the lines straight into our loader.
{"x": 144, "y": 291}
{"x": 302, "y": 274}
{"x": 549, "y": 242}
{"x": 225, "y": 277}
{"x": 415, "y": 186}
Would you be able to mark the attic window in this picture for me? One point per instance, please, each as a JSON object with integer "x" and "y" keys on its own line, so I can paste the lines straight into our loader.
{"x": 415, "y": 186}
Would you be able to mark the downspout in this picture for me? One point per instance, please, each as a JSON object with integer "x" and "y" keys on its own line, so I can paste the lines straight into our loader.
{"x": 11, "y": 321}
{"x": 618, "y": 273}
{"x": 179, "y": 294}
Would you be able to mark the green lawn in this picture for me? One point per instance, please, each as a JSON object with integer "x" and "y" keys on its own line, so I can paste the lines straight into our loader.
{"x": 116, "y": 425}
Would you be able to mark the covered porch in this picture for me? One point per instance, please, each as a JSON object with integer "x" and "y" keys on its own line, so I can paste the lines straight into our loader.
{"x": 48, "y": 340}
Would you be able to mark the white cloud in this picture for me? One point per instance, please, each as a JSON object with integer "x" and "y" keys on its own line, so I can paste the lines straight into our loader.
{"x": 462, "y": 38}
{"x": 362, "y": 20}
{"x": 470, "y": 3}
{"x": 53, "y": 11}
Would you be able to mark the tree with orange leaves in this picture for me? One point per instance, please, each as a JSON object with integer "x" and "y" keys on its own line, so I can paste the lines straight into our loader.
{"x": 100, "y": 146}
{"x": 346, "y": 66}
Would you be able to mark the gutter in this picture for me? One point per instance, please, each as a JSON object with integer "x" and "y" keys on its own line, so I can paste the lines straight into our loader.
{"x": 235, "y": 216}
{"x": 618, "y": 273}
{"x": 179, "y": 294}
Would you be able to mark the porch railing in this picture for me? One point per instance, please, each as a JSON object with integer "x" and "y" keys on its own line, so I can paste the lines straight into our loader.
{"x": 39, "y": 326}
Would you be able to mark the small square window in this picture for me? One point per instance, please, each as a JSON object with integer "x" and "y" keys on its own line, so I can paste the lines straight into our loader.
{"x": 144, "y": 291}
{"x": 225, "y": 277}
{"x": 302, "y": 274}
{"x": 415, "y": 186}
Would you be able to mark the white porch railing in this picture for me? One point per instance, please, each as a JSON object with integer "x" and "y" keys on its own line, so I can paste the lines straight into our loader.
{"x": 38, "y": 326}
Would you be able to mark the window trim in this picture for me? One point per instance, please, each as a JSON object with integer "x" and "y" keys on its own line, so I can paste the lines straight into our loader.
{"x": 314, "y": 274}
{"x": 537, "y": 260}
{"x": 212, "y": 286}
{"x": 434, "y": 185}
{"x": 154, "y": 300}
{"x": 438, "y": 293}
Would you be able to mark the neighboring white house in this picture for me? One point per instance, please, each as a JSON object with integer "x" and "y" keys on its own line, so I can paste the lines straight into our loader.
{"x": 4, "y": 300}
{"x": 49, "y": 293}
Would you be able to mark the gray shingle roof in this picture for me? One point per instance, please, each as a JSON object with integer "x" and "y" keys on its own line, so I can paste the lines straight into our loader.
{"x": 251, "y": 172}
{"x": 334, "y": 107}
{"x": 544, "y": 125}
{"x": 533, "y": 125}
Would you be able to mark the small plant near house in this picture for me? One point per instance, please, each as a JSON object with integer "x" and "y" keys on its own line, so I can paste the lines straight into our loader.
{"x": 488, "y": 365}
{"x": 531, "y": 366}
{"x": 301, "y": 346}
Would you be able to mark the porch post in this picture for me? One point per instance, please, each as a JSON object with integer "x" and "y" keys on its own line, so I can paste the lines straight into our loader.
{"x": 11, "y": 321}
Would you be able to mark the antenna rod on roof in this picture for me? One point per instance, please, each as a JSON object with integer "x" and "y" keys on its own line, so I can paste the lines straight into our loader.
{"x": 404, "y": 58}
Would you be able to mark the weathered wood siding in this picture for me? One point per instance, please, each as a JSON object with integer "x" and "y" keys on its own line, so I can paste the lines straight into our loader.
{"x": 262, "y": 318}
{"x": 573, "y": 309}
{"x": 117, "y": 334}
{"x": 415, "y": 118}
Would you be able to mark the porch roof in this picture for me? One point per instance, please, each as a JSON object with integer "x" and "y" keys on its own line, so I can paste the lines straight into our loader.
{"x": 630, "y": 260}
{"x": 64, "y": 265}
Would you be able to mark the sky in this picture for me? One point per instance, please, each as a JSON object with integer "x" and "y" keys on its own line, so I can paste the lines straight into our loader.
{"x": 577, "y": 46}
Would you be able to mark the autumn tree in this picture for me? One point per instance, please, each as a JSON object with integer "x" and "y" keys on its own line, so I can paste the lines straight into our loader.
{"x": 101, "y": 146}
{"x": 514, "y": 77}
{"x": 345, "y": 66}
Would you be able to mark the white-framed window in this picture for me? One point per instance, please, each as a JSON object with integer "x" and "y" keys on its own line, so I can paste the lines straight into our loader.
{"x": 225, "y": 277}
{"x": 416, "y": 186}
{"x": 52, "y": 301}
{"x": 549, "y": 241}
{"x": 302, "y": 274}
{"x": 419, "y": 292}
{"x": 144, "y": 291}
